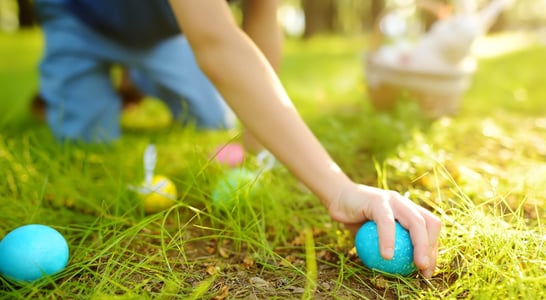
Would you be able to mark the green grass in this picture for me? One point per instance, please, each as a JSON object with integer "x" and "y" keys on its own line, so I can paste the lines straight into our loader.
{"x": 482, "y": 171}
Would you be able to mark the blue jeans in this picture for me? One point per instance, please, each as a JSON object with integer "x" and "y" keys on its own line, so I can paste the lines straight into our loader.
{"x": 75, "y": 79}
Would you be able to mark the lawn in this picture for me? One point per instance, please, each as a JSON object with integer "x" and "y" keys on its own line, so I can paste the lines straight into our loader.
{"x": 482, "y": 171}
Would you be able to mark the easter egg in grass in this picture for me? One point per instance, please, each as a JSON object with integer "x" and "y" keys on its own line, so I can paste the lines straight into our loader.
{"x": 367, "y": 248}
{"x": 31, "y": 252}
{"x": 230, "y": 155}
{"x": 159, "y": 195}
{"x": 234, "y": 186}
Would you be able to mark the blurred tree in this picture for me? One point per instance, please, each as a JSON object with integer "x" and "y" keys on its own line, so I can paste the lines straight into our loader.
{"x": 376, "y": 9}
{"x": 340, "y": 16}
{"x": 355, "y": 16}
{"x": 26, "y": 13}
{"x": 320, "y": 16}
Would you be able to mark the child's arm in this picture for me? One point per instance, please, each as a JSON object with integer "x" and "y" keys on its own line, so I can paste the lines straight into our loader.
{"x": 250, "y": 86}
{"x": 261, "y": 25}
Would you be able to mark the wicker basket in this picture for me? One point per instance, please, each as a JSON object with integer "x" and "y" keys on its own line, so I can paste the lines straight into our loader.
{"x": 437, "y": 93}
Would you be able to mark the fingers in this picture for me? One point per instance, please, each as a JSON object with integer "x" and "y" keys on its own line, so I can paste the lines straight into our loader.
{"x": 383, "y": 216}
{"x": 433, "y": 226}
{"x": 424, "y": 230}
{"x": 384, "y": 207}
{"x": 411, "y": 219}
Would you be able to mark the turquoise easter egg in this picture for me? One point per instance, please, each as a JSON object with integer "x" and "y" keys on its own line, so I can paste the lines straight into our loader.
{"x": 236, "y": 185}
{"x": 31, "y": 252}
{"x": 367, "y": 248}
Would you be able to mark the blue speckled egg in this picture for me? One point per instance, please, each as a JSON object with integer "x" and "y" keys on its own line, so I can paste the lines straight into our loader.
{"x": 234, "y": 186}
{"x": 32, "y": 251}
{"x": 367, "y": 248}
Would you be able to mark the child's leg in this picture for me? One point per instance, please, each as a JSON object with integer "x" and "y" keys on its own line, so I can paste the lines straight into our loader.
{"x": 170, "y": 73}
{"x": 75, "y": 81}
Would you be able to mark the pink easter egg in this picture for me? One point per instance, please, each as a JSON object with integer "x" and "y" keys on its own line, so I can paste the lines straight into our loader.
{"x": 231, "y": 154}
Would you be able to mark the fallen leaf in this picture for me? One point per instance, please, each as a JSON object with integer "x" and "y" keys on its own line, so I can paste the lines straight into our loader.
{"x": 248, "y": 262}
{"x": 223, "y": 252}
{"x": 210, "y": 249}
{"x": 222, "y": 294}
{"x": 212, "y": 269}
{"x": 259, "y": 282}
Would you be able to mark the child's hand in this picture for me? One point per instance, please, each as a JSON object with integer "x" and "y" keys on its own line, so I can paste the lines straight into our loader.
{"x": 359, "y": 203}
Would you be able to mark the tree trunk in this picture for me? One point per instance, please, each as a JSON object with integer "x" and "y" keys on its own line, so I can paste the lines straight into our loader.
{"x": 320, "y": 16}
{"x": 376, "y": 8}
{"x": 499, "y": 24}
{"x": 26, "y": 13}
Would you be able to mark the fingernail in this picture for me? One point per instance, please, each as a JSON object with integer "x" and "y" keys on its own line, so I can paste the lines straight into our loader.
{"x": 426, "y": 262}
{"x": 388, "y": 252}
{"x": 427, "y": 273}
